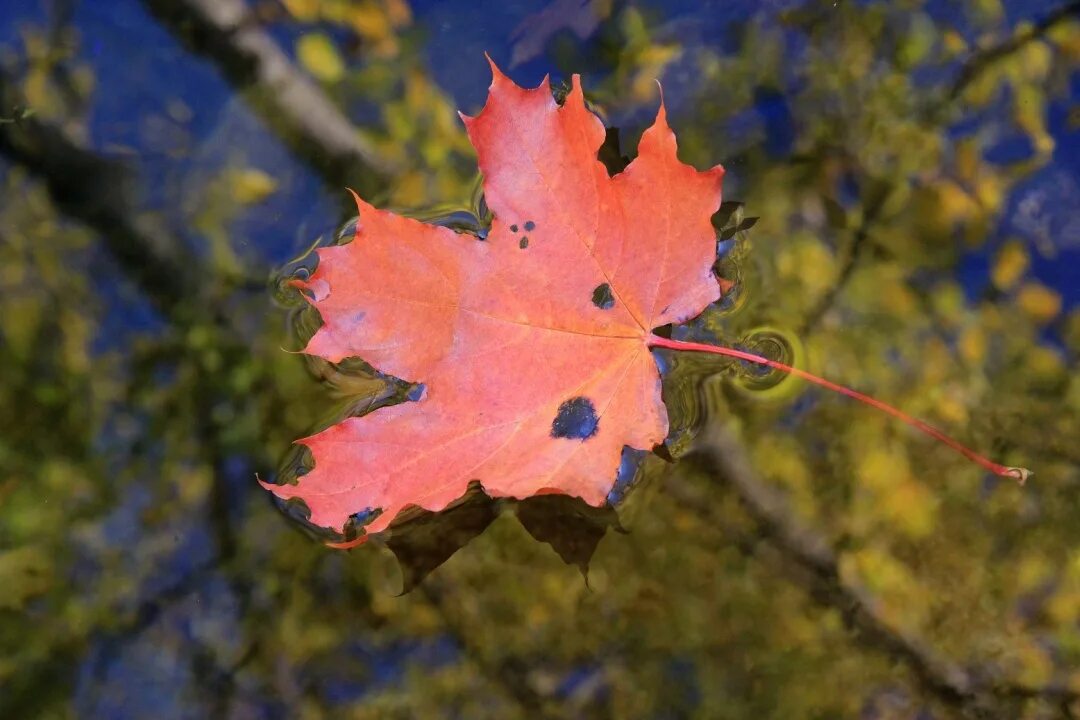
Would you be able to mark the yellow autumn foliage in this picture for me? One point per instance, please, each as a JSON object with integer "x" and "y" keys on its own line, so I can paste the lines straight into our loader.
{"x": 1039, "y": 302}
{"x": 1010, "y": 263}
{"x": 319, "y": 56}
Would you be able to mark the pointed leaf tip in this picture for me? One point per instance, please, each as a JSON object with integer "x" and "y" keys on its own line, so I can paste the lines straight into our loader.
{"x": 661, "y": 112}
{"x": 497, "y": 75}
{"x": 361, "y": 204}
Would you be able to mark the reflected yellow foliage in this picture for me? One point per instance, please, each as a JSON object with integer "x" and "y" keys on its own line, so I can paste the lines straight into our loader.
{"x": 901, "y": 598}
{"x": 865, "y": 211}
{"x": 250, "y": 186}
{"x": 1010, "y": 263}
{"x": 25, "y": 573}
{"x": 318, "y": 55}
{"x": 1039, "y": 302}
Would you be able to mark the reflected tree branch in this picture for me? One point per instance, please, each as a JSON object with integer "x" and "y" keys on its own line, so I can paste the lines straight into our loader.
{"x": 100, "y": 192}
{"x": 970, "y": 71}
{"x": 507, "y": 676}
{"x": 853, "y": 255}
{"x": 979, "y": 691}
{"x": 292, "y": 104}
{"x": 983, "y": 59}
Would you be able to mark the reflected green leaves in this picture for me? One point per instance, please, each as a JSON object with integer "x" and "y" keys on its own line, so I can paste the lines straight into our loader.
{"x": 132, "y": 436}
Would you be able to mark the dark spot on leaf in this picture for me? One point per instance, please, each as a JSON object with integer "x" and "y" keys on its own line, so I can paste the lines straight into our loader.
{"x": 529, "y": 226}
{"x": 416, "y": 392}
{"x": 523, "y": 243}
{"x": 513, "y": 228}
{"x": 602, "y": 297}
{"x": 576, "y": 419}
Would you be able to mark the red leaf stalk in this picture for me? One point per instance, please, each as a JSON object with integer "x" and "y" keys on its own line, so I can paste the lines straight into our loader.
{"x": 1017, "y": 473}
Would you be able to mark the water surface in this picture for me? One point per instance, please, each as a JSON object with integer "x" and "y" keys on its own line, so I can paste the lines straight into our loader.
{"x": 914, "y": 169}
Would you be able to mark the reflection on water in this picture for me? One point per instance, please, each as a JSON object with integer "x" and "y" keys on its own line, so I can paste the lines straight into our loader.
{"x": 897, "y": 218}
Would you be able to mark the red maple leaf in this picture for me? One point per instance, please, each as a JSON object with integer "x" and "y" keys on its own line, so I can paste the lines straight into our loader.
{"x": 533, "y": 344}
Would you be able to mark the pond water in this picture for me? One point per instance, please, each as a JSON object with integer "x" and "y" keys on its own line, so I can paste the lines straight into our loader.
{"x": 902, "y": 216}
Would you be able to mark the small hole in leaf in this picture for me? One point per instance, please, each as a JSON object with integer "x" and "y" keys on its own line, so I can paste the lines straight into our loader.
{"x": 529, "y": 226}
{"x": 576, "y": 419}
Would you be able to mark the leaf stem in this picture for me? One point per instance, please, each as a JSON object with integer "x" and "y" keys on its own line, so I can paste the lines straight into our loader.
{"x": 1017, "y": 473}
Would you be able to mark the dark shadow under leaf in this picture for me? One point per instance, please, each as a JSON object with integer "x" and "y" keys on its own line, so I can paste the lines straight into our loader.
{"x": 422, "y": 540}
{"x": 572, "y": 527}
